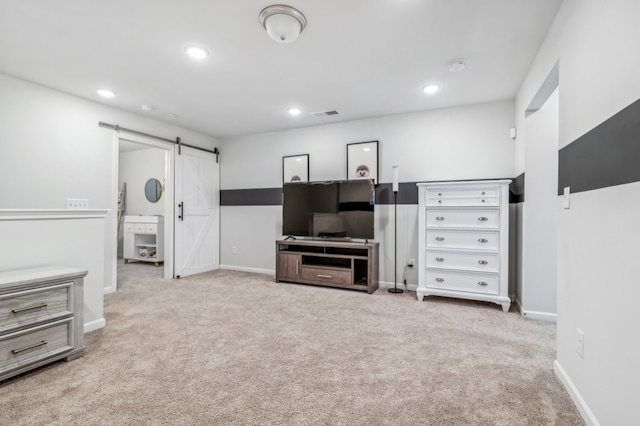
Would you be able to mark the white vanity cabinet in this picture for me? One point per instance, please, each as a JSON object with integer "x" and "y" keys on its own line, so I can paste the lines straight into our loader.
{"x": 463, "y": 242}
{"x": 41, "y": 317}
{"x": 144, "y": 239}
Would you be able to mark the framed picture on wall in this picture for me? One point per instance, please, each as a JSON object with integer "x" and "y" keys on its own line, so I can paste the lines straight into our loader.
{"x": 362, "y": 161}
{"x": 295, "y": 168}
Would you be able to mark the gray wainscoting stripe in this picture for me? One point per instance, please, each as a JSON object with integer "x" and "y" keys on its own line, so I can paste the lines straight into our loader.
{"x": 516, "y": 190}
{"x": 407, "y": 194}
{"x": 605, "y": 156}
{"x": 251, "y": 197}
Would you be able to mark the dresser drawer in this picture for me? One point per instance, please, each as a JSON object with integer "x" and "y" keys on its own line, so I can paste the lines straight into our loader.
{"x": 151, "y": 228}
{"x": 464, "y": 197}
{"x": 480, "y": 261}
{"x": 129, "y": 227}
{"x": 326, "y": 275}
{"x": 477, "y": 240}
{"x": 476, "y": 283}
{"x": 140, "y": 228}
{"x": 478, "y": 218}
{"x": 32, "y": 306}
{"x": 34, "y": 344}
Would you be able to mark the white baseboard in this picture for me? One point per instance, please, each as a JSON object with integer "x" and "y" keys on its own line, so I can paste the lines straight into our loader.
{"x": 575, "y": 395}
{"x": 108, "y": 290}
{"x": 546, "y": 316}
{"x": 94, "y": 325}
{"x": 245, "y": 269}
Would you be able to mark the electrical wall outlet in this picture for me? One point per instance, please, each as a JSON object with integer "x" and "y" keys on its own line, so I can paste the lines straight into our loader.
{"x": 77, "y": 203}
{"x": 411, "y": 263}
{"x": 580, "y": 342}
{"x": 234, "y": 250}
{"x": 566, "y": 197}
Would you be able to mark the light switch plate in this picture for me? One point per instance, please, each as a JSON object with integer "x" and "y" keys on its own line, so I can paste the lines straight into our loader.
{"x": 565, "y": 198}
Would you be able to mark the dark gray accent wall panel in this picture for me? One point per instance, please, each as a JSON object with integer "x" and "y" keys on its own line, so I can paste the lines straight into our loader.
{"x": 407, "y": 193}
{"x": 606, "y": 156}
{"x": 516, "y": 190}
{"x": 251, "y": 197}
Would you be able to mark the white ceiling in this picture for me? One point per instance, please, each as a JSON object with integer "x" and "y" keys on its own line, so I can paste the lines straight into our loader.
{"x": 364, "y": 58}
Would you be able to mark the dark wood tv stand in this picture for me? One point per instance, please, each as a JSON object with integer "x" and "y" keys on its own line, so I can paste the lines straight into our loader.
{"x": 344, "y": 264}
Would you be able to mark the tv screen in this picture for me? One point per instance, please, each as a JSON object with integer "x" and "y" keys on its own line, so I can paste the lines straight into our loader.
{"x": 341, "y": 209}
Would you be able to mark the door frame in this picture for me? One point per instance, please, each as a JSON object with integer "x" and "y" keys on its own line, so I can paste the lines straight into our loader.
{"x": 111, "y": 285}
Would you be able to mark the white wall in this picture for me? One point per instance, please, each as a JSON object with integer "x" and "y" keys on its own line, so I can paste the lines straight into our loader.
{"x": 595, "y": 43}
{"x": 536, "y": 294}
{"x": 52, "y": 149}
{"x": 136, "y": 168}
{"x": 470, "y": 142}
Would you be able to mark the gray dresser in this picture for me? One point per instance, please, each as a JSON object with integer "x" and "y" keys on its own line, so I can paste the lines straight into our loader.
{"x": 41, "y": 317}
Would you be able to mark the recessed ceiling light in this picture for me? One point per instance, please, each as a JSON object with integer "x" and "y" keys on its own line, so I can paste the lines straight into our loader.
{"x": 430, "y": 89}
{"x": 457, "y": 65}
{"x": 170, "y": 116}
{"x": 106, "y": 93}
{"x": 294, "y": 111}
{"x": 196, "y": 52}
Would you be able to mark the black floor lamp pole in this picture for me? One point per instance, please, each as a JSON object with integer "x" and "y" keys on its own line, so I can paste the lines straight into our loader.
{"x": 395, "y": 288}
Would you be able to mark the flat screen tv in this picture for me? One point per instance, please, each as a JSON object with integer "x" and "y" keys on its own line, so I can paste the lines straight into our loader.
{"x": 342, "y": 209}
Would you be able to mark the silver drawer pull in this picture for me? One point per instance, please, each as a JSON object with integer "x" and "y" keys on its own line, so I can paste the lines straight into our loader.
{"x": 324, "y": 276}
{"x": 482, "y": 262}
{"x": 483, "y": 240}
{"x": 483, "y": 218}
{"x": 440, "y": 201}
{"x": 29, "y": 308}
{"x": 482, "y": 283}
{"x": 483, "y": 200}
{"x": 439, "y": 259}
{"x": 439, "y": 194}
{"x": 440, "y": 218}
{"x": 482, "y": 193}
{"x": 440, "y": 280}
{"x": 28, "y": 348}
{"x": 439, "y": 238}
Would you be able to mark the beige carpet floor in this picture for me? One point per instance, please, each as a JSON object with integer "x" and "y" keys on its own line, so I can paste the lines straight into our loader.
{"x": 235, "y": 348}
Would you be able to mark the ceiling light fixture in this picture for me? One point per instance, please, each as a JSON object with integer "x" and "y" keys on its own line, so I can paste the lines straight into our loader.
{"x": 431, "y": 89}
{"x": 196, "y": 52}
{"x": 457, "y": 65}
{"x": 106, "y": 93}
{"x": 283, "y": 23}
{"x": 294, "y": 111}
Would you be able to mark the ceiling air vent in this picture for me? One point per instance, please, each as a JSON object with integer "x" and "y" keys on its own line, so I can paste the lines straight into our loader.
{"x": 324, "y": 113}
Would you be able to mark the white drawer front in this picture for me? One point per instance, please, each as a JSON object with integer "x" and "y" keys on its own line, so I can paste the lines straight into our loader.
{"x": 477, "y": 283}
{"x": 37, "y": 343}
{"x": 129, "y": 227}
{"x": 480, "y": 261}
{"x": 151, "y": 228}
{"x": 140, "y": 227}
{"x": 481, "y": 240}
{"x": 31, "y": 306}
{"x": 464, "y": 197}
{"x": 463, "y": 218}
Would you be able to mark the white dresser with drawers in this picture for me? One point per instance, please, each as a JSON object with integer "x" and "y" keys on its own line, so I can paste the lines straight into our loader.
{"x": 41, "y": 317}
{"x": 463, "y": 242}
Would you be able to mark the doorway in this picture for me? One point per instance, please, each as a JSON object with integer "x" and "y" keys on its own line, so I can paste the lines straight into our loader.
{"x": 143, "y": 163}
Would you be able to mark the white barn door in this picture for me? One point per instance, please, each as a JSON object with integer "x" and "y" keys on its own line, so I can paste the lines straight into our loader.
{"x": 197, "y": 216}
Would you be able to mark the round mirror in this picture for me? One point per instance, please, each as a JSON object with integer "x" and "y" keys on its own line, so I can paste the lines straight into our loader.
{"x": 153, "y": 190}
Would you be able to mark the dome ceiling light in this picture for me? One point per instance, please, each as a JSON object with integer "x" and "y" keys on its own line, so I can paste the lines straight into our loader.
{"x": 283, "y": 23}
{"x": 457, "y": 65}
